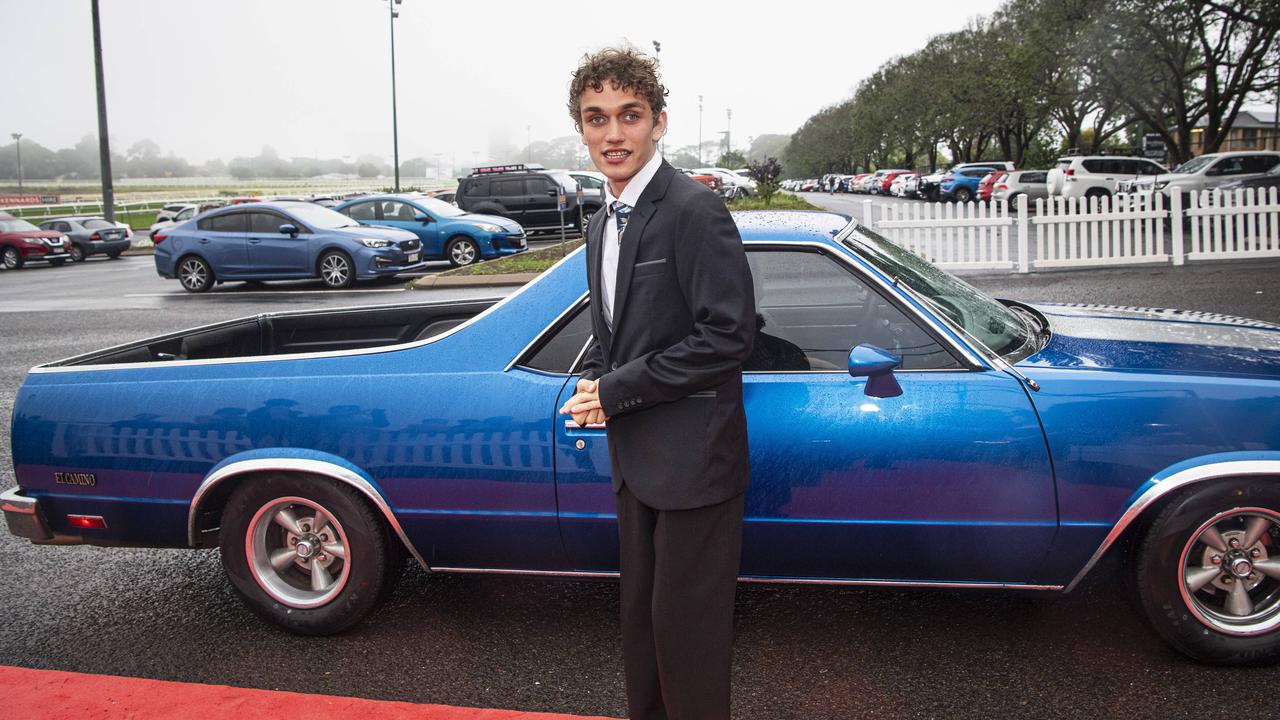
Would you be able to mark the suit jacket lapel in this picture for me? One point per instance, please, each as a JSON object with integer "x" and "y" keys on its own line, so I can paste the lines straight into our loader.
{"x": 595, "y": 246}
{"x": 634, "y": 234}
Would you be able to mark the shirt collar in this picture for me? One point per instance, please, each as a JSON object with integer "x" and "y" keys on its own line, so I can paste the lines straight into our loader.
{"x": 631, "y": 193}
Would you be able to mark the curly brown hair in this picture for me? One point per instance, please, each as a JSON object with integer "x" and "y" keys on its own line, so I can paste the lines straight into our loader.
{"x": 624, "y": 69}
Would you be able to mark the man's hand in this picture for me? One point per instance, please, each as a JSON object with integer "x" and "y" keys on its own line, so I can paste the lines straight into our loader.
{"x": 584, "y": 406}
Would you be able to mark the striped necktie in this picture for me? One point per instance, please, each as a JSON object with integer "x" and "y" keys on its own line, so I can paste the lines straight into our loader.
{"x": 621, "y": 213}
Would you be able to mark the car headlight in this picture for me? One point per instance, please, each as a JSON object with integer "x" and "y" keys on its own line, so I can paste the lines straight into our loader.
{"x": 489, "y": 228}
{"x": 374, "y": 242}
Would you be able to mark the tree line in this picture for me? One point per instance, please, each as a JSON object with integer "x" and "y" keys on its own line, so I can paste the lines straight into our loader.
{"x": 1042, "y": 76}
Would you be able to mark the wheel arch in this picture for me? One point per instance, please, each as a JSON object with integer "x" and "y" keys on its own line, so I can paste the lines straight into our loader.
{"x": 218, "y": 484}
{"x": 1150, "y": 497}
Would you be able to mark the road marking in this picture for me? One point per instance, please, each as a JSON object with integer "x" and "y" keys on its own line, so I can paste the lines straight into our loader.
{"x": 264, "y": 292}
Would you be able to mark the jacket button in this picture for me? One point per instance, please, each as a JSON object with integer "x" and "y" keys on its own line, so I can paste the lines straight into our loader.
{"x": 614, "y": 366}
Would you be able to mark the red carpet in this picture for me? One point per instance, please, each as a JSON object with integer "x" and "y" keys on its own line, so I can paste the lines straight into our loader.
{"x": 51, "y": 695}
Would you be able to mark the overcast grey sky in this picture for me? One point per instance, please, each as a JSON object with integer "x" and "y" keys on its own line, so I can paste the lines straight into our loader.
{"x": 312, "y": 77}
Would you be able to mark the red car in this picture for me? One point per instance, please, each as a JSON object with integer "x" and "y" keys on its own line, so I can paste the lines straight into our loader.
{"x": 988, "y": 184}
{"x": 20, "y": 242}
{"x": 888, "y": 180}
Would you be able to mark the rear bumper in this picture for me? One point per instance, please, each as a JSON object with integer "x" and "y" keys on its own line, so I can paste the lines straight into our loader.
{"x": 109, "y": 246}
{"x": 24, "y": 517}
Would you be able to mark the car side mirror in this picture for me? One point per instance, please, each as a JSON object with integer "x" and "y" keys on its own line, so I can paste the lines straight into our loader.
{"x": 422, "y": 218}
{"x": 877, "y": 366}
{"x": 552, "y": 193}
{"x": 289, "y": 229}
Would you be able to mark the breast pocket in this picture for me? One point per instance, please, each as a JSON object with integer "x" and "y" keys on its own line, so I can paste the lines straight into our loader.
{"x": 652, "y": 267}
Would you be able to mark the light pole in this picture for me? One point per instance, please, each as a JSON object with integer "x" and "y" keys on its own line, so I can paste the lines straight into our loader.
{"x": 17, "y": 141}
{"x": 728, "y": 128}
{"x": 528, "y": 143}
{"x": 395, "y": 130}
{"x": 657, "y": 53}
{"x": 699, "y": 130}
{"x": 104, "y": 147}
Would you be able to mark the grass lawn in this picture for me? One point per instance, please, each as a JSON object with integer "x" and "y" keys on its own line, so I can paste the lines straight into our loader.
{"x": 530, "y": 261}
{"x": 780, "y": 201}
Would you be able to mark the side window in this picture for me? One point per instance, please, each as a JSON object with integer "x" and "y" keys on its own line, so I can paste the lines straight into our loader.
{"x": 508, "y": 188}
{"x": 810, "y": 311}
{"x": 1260, "y": 163}
{"x": 538, "y": 186}
{"x": 558, "y": 352}
{"x": 1146, "y": 167}
{"x": 1095, "y": 166}
{"x": 361, "y": 211}
{"x": 267, "y": 223}
{"x": 228, "y": 222}
{"x": 187, "y": 215}
{"x": 398, "y": 211}
{"x": 589, "y": 182}
{"x": 1034, "y": 177}
{"x": 478, "y": 187}
{"x": 1229, "y": 166}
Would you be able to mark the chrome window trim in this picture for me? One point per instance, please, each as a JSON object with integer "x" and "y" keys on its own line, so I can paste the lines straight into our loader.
{"x": 57, "y": 366}
{"x": 1177, "y": 481}
{"x": 317, "y": 467}
{"x": 613, "y": 574}
{"x": 547, "y": 331}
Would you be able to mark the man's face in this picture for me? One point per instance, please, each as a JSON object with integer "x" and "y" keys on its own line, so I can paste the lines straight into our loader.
{"x": 620, "y": 131}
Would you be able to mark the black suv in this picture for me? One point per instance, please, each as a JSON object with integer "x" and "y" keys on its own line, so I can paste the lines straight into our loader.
{"x": 526, "y": 194}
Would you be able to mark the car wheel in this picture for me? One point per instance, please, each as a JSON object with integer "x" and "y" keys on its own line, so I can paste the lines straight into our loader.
{"x": 1098, "y": 193}
{"x": 114, "y": 254}
{"x": 587, "y": 213}
{"x": 1208, "y": 572}
{"x": 336, "y": 270}
{"x": 1013, "y": 201}
{"x": 11, "y": 258}
{"x": 462, "y": 251}
{"x": 306, "y": 553}
{"x": 195, "y": 274}
{"x": 964, "y": 195}
{"x": 76, "y": 252}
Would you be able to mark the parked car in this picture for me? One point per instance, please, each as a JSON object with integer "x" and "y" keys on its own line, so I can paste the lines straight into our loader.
{"x": 987, "y": 184}
{"x": 184, "y": 213}
{"x": 962, "y": 185}
{"x": 932, "y": 436}
{"x": 735, "y": 185}
{"x": 1031, "y": 183}
{"x": 21, "y": 242}
{"x": 809, "y": 185}
{"x": 525, "y": 194}
{"x": 886, "y": 184}
{"x": 1270, "y": 179}
{"x": 905, "y": 185}
{"x": 1207, "y": 172}
{"x": 168, "y": 212}
{"x": 281, "y": 241}
{"x": 446, "y": 232}
{"x": 1097, "y": 175}
{"x": 89, "y": 236}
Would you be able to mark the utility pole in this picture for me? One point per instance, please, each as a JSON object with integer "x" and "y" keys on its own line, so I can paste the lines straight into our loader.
{"x": 1275, "y": 119}
{"x": 395, "y": 130}
{"x": 104, "y": 146}
{"x": 17, "y": 141}
{"x": 699, "y": 130}
{"x": 728, "y": 128}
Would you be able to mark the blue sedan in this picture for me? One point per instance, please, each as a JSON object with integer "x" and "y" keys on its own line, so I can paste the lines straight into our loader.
{"x": 905, "y": 430}
{"x": 281, "y": 241}
{"x": 446, "y": 232}
{"x": 962, "y": 185}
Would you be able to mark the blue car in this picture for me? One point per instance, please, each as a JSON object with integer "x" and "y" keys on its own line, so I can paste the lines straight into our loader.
{"x": 446, "y": 232}
{"x": 283, "y": 240}
{"x": 905, "y": 430}
{"x": 962, "y": 185}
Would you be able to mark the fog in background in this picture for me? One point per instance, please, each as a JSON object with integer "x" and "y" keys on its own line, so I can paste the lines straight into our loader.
{"x": 475, "y": 81}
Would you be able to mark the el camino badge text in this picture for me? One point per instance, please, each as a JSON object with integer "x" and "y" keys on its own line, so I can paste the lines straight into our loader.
{"x": 82, "y": 479}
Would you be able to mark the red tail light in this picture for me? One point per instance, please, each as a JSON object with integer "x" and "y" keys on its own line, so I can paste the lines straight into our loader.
{"x": 95, "y": 237}
{"x": 88, "y": 522}
{"x": 1002, "y": 186}
{"x": 1070, "y": 171}
{"x": 157, "y": 238}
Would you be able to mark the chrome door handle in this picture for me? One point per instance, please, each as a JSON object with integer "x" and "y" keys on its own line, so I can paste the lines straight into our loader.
{"x": 571, "y": 425}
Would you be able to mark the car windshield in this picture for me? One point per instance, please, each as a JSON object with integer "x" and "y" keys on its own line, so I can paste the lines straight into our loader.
{"x": 16, "y": 225}
{"x": 319, "y": 216}
{"x": 439, "y": 208}
{"x": 996, "y": 326}
{"x": 1195, "y": 164}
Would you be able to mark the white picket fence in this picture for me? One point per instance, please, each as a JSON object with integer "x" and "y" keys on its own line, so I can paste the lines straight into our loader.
{"x": 1080, "y": 232}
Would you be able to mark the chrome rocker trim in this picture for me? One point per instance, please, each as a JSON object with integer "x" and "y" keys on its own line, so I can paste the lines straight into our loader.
{"x": 315, "y": 467}
{"x": 1177, "y": 481}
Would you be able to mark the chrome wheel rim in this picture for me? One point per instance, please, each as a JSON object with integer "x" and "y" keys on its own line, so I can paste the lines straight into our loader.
{"x": 463, "y": 253}
{"x": 193, "y": 274}
{"x": 1230, "y": 572}
{"x": 75, "y": 252}
{"x": 335, "y": 270}
{"x": 10, "y": 258}
{"x": 297, "y": 552}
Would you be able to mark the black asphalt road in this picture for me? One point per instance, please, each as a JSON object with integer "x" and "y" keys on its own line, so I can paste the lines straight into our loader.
{"x": 537, "y": 644}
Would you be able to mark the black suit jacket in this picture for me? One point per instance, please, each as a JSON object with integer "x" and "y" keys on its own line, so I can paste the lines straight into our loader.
{"x": 670, "y": 370}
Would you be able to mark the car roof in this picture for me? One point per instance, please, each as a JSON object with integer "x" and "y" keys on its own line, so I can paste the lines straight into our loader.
{"x": 790, "y": 225}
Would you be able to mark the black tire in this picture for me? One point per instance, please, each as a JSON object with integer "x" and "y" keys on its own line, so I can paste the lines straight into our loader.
{"x": 77, "y": 253}
{"x": 462, "y": 250}
{"x": 1188, "y": 598}
{"x": 964, "y": 195}
{"x": 1097, "y": 192}
{"x": 114, "y": 254}
{"x": 57, "y": 262}
{"x": 291, "y": 595}
{"x": 194, "y": 274}
{"x": 336, "y": 270}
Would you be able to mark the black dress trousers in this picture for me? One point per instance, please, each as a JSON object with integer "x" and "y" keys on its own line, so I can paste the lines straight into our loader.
{"x": 679, "y": 575}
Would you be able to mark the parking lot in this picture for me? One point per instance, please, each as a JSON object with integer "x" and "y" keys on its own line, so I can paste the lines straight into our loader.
{"x": 537, "y": 644}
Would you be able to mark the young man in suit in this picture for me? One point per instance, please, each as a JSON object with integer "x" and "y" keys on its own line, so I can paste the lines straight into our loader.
{"x": 673, "y": 315}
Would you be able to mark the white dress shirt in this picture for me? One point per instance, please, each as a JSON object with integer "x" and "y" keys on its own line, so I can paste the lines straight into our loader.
{"x": 609, "y": 248}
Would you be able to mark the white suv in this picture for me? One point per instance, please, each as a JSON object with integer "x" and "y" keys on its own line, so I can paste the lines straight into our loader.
{"x": 1209, "y": 171}
{"x": 1097, "y": 175}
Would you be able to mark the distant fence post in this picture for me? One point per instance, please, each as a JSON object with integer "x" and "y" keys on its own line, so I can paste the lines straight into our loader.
{"x": 1179, "y": 249}
{"x": 867, "y": 218}
{"x": 1024, "y": 236}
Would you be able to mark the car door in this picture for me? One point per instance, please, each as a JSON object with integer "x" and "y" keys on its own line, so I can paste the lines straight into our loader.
{"x": 949, "y": 481}
{"x": 541, "y": 201}
{"x": 403, "y": 216}
{"x": 223, "y": 241}
{"x": 276, "y": 254}
{"x": 509, "y": 193}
